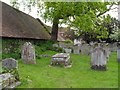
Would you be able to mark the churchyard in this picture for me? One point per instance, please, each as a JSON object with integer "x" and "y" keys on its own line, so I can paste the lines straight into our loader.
{"x": 79, "y": 76}
{"x": 44, "y": 74}
{"x": 33, "y": 54}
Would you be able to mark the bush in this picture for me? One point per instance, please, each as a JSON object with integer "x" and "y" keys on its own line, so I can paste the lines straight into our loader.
{"x": 68, "y": 41}
{"x": 58, "y": 49}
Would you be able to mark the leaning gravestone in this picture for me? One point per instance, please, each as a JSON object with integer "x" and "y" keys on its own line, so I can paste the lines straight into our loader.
{"x": 76, "y": 49}
{"x": 98, "y": 57}
{"x": 28, "y": 53}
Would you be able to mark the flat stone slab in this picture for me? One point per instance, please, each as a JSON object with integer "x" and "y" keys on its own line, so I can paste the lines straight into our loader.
{"x": 61, "y": 55}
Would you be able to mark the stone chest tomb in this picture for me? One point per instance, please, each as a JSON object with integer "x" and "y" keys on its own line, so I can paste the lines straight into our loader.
{"x": 61, "y": 59}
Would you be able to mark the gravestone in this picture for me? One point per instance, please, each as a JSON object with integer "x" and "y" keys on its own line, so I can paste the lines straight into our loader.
{"x": 69, "y": 45}
{"x": 61, "y": 59}
{"x": 10, "y": 63}
{"x": 67, "y": 50}
{"x": 114, "y": 47}
{"x": 111, "y": 47}
{"x": 28, "y": 53}
{"x": 10, "y": 79}
{"x": 76, "y": 49}
{"x": 98, "y": 57}
{"x": 107, "y": 50}
{"x": 118, "y": 53}
{"x": 62, "y": 45}
{"x": 55, "y": 45}
{"x": 85, "y": 49}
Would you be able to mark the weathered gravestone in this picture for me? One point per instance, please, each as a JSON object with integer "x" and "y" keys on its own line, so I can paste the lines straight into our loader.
{"x": 67, "y": 50}
{"x": 9, "y": 63}
{"x": 107, "y": 50}
{"x": 28, "y": 53}
{"x": 98, "y": 57}
{"x": 111, "y": 47}
{"x": 115, "y": 47}
{"x": 61, "y": 59}
{"x": 85, "y": 49}
{"x": 11, "y": 79}
{"x": 118, "y": 53}
{"x": 69, "y": 45}
{"x": 55, "y": 45}
{"x": 76, "y": 49}
{"x": 62, "y": 45}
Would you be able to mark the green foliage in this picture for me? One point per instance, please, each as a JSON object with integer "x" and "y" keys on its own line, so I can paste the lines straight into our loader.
{"x": 82, "y": 16}
{"x": 68, "y": 41}
{"x": 116, "y": 35}
{"x": 58, "y": 49}
{"x": 11, "y": 48}
{"x": 115, "y": 25}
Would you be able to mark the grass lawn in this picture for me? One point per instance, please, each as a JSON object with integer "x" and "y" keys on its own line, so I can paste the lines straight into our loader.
{"x": 79, "y": 76}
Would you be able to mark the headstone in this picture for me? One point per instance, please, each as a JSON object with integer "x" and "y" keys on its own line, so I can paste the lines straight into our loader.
{"x": 62, "y": 45}
{"x": 107, "y": 50}
{"x": 69, "y": 45}
{"x": 111, "y": 47}
{"x": 115, "y": 47}
{"x": 76, "y": 49}
{"x": 98, "y": 57}
{"x": 55, "y": 45}
{"x": 10, "y": 63}
{"x": 85, "y": 49}
{"x": 61, "y": 58}
{"x": 118, "y": 53}
{"x": 28, "y": 53}
{"x": 68, "y": 50}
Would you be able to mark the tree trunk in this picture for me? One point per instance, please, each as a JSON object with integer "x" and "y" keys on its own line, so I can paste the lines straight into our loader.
{"x": 54, "y": 33}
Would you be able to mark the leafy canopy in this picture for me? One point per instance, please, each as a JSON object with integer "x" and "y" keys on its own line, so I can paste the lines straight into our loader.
{"x": 82, "y": 16}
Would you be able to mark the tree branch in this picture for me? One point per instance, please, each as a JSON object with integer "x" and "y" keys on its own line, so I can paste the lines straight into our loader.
{"x": 101, "y": 13}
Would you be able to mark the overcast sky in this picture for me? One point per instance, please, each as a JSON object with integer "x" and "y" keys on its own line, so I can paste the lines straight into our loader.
{"x": 113, "y": 12}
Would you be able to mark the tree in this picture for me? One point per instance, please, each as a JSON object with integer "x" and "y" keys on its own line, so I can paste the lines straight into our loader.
{"x": 116, "y": 30}
{"x": 83, "y": 16}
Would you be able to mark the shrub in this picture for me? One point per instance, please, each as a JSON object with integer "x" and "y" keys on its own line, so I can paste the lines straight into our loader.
{"x": 68, "y": 41}
{"x": 58, "y": 49}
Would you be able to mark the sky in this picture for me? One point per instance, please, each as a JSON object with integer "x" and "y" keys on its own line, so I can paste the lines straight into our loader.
{"x": 33, "y": 13}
